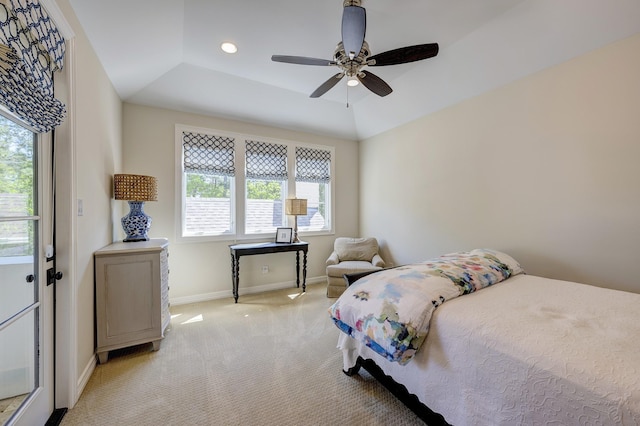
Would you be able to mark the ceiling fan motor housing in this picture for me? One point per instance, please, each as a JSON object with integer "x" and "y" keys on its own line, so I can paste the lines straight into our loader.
{"x": 351, "y": 67}
{"x": 352, "y": 3}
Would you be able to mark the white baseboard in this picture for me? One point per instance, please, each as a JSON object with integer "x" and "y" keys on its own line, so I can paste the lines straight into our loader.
{"x": 85, "y": 376}
{"x": 242, "y": 290}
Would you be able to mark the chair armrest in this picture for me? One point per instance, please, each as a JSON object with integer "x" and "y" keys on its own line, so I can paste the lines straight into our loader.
{"x": 333, "y": 259}
{"x": 377, "y": 261}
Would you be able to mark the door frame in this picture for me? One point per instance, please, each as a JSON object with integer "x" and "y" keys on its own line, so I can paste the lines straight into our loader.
{"x": 66, "y": 360}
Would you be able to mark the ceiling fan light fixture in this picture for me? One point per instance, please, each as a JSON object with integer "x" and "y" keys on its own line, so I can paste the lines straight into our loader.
{"x": 228, "y": 47}
{"x": 352, "y": 82}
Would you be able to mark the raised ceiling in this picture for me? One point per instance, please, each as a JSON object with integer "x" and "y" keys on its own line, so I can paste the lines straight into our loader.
{"x": 166, "y": 53}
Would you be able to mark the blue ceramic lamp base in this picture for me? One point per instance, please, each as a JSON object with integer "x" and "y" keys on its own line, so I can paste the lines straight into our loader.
{"x": 136, "y": 224}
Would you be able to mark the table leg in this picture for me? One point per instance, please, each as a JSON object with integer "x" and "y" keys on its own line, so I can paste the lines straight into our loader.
{"x": 235, "y": 275}
{"x": 298, "y": 268}
{"x": 304, "y": 272}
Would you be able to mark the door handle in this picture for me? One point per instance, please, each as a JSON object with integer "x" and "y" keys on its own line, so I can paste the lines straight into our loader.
{"x": 52, "y": 277}
{"x": 31, "y": 278}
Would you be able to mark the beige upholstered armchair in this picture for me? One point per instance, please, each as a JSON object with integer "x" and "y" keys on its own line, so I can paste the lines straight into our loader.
{"x": 350, "y": 256}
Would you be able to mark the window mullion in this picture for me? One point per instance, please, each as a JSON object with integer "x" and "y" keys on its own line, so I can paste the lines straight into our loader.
{"x": 291, "y": 165}
{"x": 240, "y": 204}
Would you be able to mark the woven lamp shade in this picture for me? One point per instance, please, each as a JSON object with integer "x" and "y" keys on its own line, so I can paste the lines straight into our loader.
{"x": 135, "y": 188}
{"x": 296, "y": 206}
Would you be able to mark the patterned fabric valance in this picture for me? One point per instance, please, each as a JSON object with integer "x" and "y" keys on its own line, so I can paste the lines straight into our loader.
{"x": 32, "y": 50}
{"x": 42, "y": 30}
{"x": 208, "y": 154}
{"x": 313, "y": 165}
{"x": 266, "y": 161}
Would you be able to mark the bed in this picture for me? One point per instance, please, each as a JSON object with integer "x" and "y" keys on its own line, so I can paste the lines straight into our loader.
{"x": 509, "y": 349}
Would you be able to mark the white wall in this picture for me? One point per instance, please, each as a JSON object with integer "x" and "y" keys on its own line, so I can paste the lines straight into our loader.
{"x": 201, "y": 271}
{"x": 545, "y": 168}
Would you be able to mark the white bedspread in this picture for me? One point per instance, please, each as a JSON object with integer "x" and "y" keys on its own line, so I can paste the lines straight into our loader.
{"x": 529, "y": 350}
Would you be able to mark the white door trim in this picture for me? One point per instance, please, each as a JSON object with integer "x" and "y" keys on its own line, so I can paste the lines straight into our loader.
{"x": 67, "y": 390}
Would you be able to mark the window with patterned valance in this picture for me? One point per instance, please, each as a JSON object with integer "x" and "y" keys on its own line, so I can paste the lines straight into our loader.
{"x": 265, "y": 187}
{"x": 208, "y": 163}
{"x": 31, "y": 50}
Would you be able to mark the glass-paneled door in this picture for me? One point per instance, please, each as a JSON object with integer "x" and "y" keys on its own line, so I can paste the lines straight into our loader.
{"x": 26, "y": 349}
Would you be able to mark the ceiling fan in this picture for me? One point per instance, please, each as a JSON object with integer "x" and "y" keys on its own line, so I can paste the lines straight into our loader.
{"x": 352, "y": 54}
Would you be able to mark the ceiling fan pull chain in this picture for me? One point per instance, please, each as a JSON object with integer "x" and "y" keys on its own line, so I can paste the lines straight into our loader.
{"x": 347, "y": 96}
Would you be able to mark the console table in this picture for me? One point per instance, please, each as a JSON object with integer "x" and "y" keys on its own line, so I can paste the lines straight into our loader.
{"x": 238, "y": 250}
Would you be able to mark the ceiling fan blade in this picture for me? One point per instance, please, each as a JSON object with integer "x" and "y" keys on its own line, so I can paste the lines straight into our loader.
{"x": 324, "y": 88}
{"x": 301, "y": 60}
{"x": 354, "y": 25}
{"x": 404, "y": 55}
{"x": 374, "y": 83}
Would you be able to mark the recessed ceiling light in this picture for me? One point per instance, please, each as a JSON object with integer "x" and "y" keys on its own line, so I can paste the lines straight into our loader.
{"x": 229, "y": 47}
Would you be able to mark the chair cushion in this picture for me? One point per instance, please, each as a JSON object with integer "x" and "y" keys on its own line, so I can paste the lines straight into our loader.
{"x": 349, "y": 267}
{"x": 356, "y": 248}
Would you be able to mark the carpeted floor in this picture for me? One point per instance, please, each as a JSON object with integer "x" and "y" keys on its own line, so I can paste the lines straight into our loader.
{"x": 271, "y": 359}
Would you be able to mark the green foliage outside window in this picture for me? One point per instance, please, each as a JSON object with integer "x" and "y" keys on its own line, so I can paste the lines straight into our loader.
{"x": 16, "y": 161}
{"x": 264, "y": 190}
{"x": 207, "y": 186}
{"x": 17, "y": 188}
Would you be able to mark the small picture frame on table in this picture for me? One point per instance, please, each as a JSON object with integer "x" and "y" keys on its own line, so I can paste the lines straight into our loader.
{"x": 283, "y": 235}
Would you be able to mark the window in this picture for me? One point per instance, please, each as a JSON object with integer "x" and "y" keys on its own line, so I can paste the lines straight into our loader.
{"x": 266, "y": 186}
{"x": 209, "y": 170}
{"x": 313, "y": 177}
{"x": 232, "y": 186}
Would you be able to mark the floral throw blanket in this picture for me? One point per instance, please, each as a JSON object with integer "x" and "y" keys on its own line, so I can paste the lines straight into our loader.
{"x": 390, "y": 310}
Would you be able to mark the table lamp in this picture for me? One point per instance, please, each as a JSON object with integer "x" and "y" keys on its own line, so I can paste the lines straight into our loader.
{"x": 296, "y": 207}
{"x": 136, "y": 189}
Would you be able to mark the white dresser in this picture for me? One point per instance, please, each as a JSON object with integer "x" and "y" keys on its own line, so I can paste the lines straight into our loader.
{"x": 132, "y": 295}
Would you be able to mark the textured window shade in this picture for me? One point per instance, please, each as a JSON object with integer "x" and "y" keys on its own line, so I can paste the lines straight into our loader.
{"x": 32, "y": 50}
{"x": 208, "y": 154}
{"x": 266, "y": 161}
{"x": 313, "y": 165}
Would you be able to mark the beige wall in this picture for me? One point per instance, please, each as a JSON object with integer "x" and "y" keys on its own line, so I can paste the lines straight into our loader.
{"x": 201, "y": 271}
{"x": 89, "y": 152}
{"x": 545, "y": 168}
{"x": 98, "y": 157}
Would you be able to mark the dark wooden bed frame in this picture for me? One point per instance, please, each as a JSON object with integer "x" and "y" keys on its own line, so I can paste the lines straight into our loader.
{"x": 410, "y": 400}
